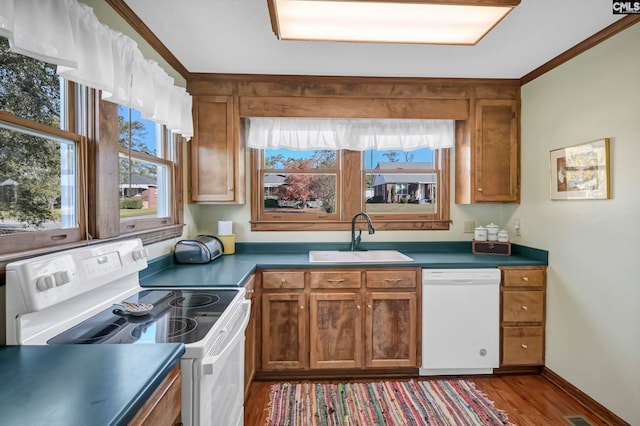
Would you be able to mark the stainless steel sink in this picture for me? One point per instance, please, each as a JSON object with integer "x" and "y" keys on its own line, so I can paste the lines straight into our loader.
{"x": 370, "y": 256}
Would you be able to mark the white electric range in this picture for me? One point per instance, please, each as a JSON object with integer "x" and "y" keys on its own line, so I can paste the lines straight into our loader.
{"x": 74, "y": 296}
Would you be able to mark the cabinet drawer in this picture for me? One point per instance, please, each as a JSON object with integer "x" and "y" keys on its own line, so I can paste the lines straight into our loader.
{"x": 523, "y": 277}
{"x": 391, "y": 279}
{"x": 335, "y": 279}
{"x": 522, "y": 346}
{"x": 283, "y": 279}
{"x": 522, "y": 306}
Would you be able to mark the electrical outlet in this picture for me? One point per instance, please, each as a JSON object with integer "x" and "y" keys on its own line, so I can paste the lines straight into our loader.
{"x": 469, "y": 227}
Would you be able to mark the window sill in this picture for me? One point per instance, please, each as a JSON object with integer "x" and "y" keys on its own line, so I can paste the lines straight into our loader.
{"x": 148, "y": 237}
{"x": 382, "y": 225}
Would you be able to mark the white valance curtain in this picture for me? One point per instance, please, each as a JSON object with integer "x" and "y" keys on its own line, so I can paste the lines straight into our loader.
{"x": 68, "y": 34}
{"x": 356, "y": 134}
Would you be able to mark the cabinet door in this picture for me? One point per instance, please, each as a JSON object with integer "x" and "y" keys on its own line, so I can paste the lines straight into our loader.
{"x": 217, "y": 157}
{"x": 335, "y": 333}
{"x": 391, "y": 329}
{"x": 283, "y": 331}
{"x": 497, "y": 158}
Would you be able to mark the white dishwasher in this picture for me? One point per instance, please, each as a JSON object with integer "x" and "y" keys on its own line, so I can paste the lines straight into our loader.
{"x": 460, "y": 321}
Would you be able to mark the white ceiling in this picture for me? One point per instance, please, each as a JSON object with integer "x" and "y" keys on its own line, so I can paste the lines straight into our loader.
{"x": 235, "y": 36}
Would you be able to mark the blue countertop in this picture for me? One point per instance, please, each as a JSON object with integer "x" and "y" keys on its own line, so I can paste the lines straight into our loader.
{"x": 233, "y": 270}
{"x": 80, "y": 384}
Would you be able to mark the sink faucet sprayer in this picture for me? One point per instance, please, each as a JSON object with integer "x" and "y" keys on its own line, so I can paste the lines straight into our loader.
{"x": 355, "y": 241}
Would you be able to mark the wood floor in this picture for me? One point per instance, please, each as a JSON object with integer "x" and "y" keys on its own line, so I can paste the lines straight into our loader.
{"x": 529, "y": 400}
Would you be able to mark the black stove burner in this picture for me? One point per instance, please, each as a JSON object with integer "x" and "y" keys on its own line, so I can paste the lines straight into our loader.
{"x": 180, "y": 325}
{"x": 184, "y": 316}
{"x": 194, "y": 301}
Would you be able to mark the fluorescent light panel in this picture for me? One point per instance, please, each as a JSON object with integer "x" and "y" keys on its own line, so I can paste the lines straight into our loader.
{"x": 387, "y": 22}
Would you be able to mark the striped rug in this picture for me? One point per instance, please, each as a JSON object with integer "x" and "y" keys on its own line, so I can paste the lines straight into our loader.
{"x": 431, "y": 402}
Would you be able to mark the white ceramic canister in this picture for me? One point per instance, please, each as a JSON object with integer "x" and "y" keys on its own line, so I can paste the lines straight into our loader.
{"x": 492, "y": 232}
{"x": 503, "y": 236}
{"x": 480, "y": 234}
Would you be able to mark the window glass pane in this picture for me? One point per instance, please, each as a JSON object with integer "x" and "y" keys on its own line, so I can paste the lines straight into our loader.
{"x": 390, "y": 189}
{"x": 139, "y": 134}
{"x": 290, "y": 159}
{"x": 38, "y": 181}
{"x": 416, "y": 159}
{"x": 143, "y": 189}
{"x": 300, "y": 193}
{"x": 401, "y": 193}
{"x": 29, "y": 88}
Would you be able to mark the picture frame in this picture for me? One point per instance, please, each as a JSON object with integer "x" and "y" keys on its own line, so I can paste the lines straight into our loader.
{"x": 581, "y": 172}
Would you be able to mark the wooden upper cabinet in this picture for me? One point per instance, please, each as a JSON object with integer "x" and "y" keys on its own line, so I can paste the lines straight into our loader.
{"x": 488, "y": 154}
{"x": 217, "y": 154}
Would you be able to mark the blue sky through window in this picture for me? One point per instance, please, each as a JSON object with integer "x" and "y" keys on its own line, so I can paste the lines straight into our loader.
{"x": 372, "y": 157}
{"x": 150, "y": 127}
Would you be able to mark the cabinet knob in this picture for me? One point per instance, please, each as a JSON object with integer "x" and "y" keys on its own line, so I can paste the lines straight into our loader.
{"x": 229, "y": 189}
{"x": 524, "y": 307}
{"x": 525, "y": 279}
{"x": 358, "y": 307}
{"x": 524, "y": 346}
{"x": 369, "y": 306}
{"x": 282, "y": 280}
{"x": 302, "y": 307}
{"x": 479, "y": 189}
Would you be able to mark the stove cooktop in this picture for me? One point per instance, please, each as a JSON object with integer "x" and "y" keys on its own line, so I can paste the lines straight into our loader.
{"x": 178, "y": 316}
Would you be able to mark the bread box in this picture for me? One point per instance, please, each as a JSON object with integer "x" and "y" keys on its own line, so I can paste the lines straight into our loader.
{"x": 202, "y": 249}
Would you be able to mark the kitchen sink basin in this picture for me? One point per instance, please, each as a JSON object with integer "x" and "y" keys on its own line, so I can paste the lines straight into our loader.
{"x": 369, "y": 256}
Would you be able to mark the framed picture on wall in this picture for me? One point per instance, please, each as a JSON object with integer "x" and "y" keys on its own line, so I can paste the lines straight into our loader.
{"x": 581, "y": 172}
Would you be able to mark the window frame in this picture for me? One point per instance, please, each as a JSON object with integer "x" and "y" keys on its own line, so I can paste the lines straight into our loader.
{"x": 91, "y": 123}
{"x": 106, "y": 203}
{"x": 351, "y": 172}
{"x": 168, "y": 148}
{"x": 49, "y": 238}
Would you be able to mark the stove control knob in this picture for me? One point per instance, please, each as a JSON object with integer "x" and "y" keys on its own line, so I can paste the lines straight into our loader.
{"x": 45, "y": 282}
{"x": 61, "y": 277}
{"x": 140, "y": 254}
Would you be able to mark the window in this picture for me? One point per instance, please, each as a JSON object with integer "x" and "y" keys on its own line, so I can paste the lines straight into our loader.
{"x": 67, "y": 160}
{"x": 41, "y": 181}
{"x": 144, "y": 169}
{"x": 400, "y": 182}
{"x": 299, "y": 183}
{"x": 322, "y": 190}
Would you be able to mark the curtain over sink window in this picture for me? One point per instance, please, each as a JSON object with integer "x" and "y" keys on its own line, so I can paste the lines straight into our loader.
{"x": 317, "y": 173}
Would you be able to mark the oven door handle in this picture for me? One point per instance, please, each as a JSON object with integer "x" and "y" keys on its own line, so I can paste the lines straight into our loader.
{"x": 209, "y": 361}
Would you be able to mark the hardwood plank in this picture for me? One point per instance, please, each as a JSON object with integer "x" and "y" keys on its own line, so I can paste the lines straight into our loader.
{"x": 528, "y": 399}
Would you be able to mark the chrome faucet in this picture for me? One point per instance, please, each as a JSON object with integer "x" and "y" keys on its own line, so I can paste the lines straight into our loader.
{"x": 355, "y": 241}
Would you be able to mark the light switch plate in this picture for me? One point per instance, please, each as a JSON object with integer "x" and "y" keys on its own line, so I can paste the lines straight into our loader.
{"x": 469, "y": 227}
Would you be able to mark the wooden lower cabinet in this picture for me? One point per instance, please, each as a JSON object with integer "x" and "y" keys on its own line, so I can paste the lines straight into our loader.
{"x": 392, "y": 321}
{"x": 335, "y": 333}
{"x": 284, "y": 330}
{"x": 250, "y": 336}
{"x": 522, "y": 316}
{"x": 350, "y": 324}
{"x": 164, "y": 405}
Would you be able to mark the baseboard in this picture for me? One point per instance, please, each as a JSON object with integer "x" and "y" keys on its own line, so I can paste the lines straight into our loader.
{"x": 329, "y": 374}
{"x": 585, "y": 400}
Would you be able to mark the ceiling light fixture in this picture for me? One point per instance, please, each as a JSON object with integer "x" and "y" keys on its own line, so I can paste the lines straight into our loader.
{"x": 462, "y": 22}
